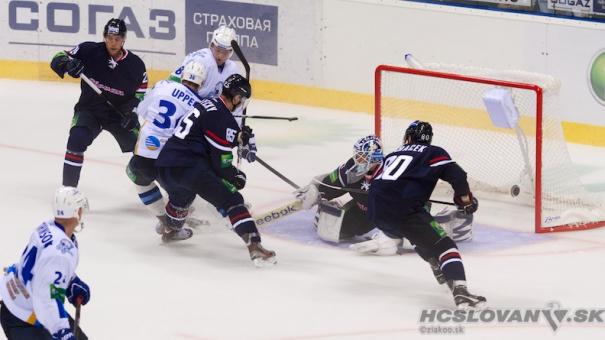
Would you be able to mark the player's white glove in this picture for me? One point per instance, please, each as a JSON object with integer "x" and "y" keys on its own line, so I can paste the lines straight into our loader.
{"x": 380, "y": 244}
{"x": 308, "y": 196}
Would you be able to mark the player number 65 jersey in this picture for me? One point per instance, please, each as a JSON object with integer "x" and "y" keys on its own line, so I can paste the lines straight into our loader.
{"x": 162, "y": 110}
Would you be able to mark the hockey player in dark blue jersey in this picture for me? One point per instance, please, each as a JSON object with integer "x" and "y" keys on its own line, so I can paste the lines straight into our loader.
{"x": 197, "y": 160}
{"x": 122, "y": 77}
{"x": 397, "y": 200}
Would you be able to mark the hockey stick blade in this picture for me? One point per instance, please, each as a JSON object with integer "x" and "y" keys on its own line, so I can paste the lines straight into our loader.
{"x": 277, "y": 214}
{"x": 277, "y": 173}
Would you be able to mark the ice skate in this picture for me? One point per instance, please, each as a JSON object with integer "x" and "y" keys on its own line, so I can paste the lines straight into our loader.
{"x": 260, "y": 256}
{"x": 464, "y": 299}
{"x": 170, "y": 234}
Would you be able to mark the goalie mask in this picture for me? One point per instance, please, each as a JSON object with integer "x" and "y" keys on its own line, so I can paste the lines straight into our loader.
{"x": 418, "y": 132}
{"x": 367, "y": 152}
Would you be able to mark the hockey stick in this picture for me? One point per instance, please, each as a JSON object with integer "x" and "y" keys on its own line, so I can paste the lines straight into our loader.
{"x": 359, "y": 191}
{"x": 277, "y": 214}
{"x": 77, "y": 318}
{"x": 268, "y": 117}
{"x": 95, "y": 88}
{"x": 277, "y": 173}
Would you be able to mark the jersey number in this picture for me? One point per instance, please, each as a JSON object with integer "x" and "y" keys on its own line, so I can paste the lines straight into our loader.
{"x": 29, "y": 260}
{"x": 394, "y": 167}
{"x": 170, "y": 110}
{"x": 186, "y": 124}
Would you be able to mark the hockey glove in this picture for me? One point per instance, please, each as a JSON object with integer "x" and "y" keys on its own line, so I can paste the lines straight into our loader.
{"x": 131, "y": 121}
{"x": 308, "y": 196}
{"x": 245, "y": 135}
{"x": 466, "y": 204}
{"x": 74, "y": 67}
{"x": 64, "y": 334}
{"x": 78, "y": 289}
{"x": 239, "y": 180}
{"x": 248, "y": 152}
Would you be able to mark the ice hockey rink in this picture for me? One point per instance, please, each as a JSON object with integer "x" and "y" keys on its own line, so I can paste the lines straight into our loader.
{"x": 207, "y": 288}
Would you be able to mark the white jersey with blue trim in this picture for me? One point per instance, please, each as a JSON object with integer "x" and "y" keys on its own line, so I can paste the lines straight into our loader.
{"x": 161, "y": 110}
{"x": 34, "y": 289}
{"x": 215, "y": 77}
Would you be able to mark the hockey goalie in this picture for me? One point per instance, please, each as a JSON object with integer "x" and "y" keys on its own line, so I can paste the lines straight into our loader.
{"x": 341, "y": 198}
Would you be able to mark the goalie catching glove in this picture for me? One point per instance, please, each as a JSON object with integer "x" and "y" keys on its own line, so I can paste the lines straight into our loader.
{"x": 466, "y": 204}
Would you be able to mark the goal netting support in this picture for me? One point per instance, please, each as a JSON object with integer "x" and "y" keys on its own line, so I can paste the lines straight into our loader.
{"x": 528, "y": 164}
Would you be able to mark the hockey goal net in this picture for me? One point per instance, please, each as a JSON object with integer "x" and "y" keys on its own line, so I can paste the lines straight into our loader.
{"x": 528, "y": 165}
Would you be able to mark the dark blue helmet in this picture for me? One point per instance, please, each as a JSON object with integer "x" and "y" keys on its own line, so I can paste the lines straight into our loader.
{"x": 235, "y": 85}
{"x": 115, "y": 26}
{"x": 418, "y": 132}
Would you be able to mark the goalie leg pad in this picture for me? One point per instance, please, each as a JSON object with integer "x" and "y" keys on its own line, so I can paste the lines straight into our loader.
{"x": 329, "y": 221}
{"x": 458, "y": 226}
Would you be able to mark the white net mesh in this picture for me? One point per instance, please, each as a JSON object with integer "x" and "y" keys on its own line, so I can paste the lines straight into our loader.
{"x": 493, "y": 157}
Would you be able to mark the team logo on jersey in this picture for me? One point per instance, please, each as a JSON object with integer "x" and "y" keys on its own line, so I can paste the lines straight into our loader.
{"x": 65, "y": 247}
{"x": 152, "y": 143}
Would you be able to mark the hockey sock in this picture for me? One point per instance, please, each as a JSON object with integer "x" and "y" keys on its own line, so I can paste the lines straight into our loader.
{"x": 450, "y": 261}
{"x": 242, "y": 223}
{"x": 176, "y": 216}
{"x": 151, "y": 196}
{"x": 72, "y": 166}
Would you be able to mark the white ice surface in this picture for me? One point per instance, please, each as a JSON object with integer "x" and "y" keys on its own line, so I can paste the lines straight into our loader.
{"x": 207, "y": 288}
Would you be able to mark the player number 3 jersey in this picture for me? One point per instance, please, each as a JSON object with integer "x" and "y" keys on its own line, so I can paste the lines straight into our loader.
{"x": 162, "y": 109}
{"x": 34, "y": 289}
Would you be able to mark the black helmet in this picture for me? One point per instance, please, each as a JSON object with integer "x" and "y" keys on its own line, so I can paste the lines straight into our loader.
{"x": 418, "y": 132}
{"x": 115, "y": 26}
{"x": 235, "y": 85}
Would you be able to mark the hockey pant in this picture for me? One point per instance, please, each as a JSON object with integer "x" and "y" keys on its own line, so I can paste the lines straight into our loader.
{"x": 184, "y": 183}
{"x": 85, "y": 127}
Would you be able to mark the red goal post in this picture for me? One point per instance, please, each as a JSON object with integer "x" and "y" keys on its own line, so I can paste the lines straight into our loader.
{"x": 533, "y": 157}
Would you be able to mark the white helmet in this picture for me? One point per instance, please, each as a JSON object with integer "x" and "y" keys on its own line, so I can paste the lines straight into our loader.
{"x": 194, "y": 72}
{"x": 222, "y": 37}
{"x": 68, "y": 201}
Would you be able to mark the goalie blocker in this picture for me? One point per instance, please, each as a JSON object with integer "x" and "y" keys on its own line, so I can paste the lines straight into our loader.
{"x": 337, "y": 222}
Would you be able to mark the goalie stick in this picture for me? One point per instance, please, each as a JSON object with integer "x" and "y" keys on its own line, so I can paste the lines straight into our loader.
{"x": 277, "y": 214}
{"x": 359, "y": 191}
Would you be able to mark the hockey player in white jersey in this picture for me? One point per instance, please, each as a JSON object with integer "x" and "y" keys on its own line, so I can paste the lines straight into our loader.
{"x": 33, "y": 290}
{"x": 161, "y": 111}
{"x": 216, "y": 59}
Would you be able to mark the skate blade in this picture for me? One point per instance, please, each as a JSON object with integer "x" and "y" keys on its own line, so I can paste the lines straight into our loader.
{"x": 475, "y": 306}
{"x": 268, "y": 262}
{"x": 196, "y": 222}
{"x": 184, "y": 234}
